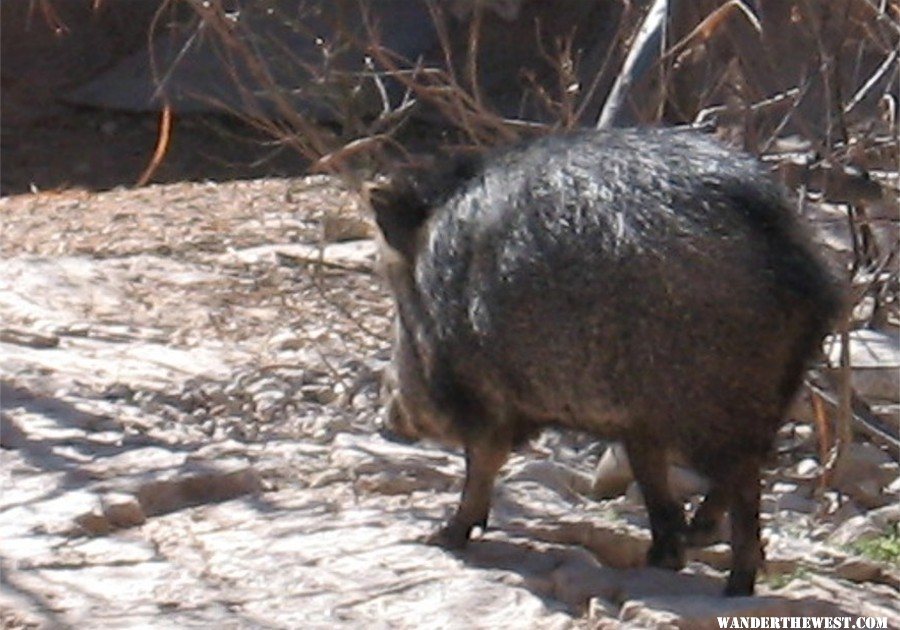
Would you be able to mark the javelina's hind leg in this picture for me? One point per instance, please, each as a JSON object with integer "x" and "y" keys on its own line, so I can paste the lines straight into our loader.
{"x": 703, "y": 527}
{"x": 649, "y": 464}
{"x": 484, "y": 458}
{"x": 746, "y": 548}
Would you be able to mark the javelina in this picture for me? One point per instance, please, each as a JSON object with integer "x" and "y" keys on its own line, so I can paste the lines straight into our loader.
{"x": 648, "y": 286}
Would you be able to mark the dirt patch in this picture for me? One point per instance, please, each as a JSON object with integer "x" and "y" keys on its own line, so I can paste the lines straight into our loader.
{"x": 190, "y": 437}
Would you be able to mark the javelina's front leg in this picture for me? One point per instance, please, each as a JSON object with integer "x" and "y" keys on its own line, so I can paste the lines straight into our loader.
{"x": 484, "y": 458}
{"x": 650, "y": 466}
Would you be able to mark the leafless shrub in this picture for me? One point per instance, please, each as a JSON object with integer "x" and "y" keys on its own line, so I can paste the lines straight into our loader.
{"x": 810, "y": 87}
{"x": 458, "y": 100}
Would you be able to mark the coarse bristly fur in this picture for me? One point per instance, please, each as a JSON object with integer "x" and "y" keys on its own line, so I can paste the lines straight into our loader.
{"x": 649, "y": 286}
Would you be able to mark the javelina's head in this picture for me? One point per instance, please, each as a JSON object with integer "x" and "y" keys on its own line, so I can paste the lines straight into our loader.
{"x": 403, "y": 205}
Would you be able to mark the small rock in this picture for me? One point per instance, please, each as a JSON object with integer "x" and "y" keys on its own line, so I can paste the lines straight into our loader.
{"x": 891, "y": 577}
{"x": 808, "y": 468}
{"x": 322, "y": 394}
{"x": 858, "y": 569}
{"x": 122, "y": 510}
{"x": 803, "y": 432}
{"x": 269, "y": 401}
{"x": 346, "y": 226}
{"x": 871, "y": 495}
{"x": 390, "y": 483}
{"x": 886, "y": 412}
{"x": 783, "y": 487}
{"x": 717, "y": 556}
{"x": 846, "y": 511}
{"x": 93, "y": 524}
{"x": 600, "y": 609}
{"x": 264, "y": 384}
{"x": 889, "y": 475}
{"x": 613, "y": 473}
{"x": 634, "y": 495}
{"x": 214, "y": 394}
{"x": 781, "y": 565}
{"x": 287, "y": 340}
{"x": 796, "y": 502}
{"x": 797, "y": 433}
{"x": 885, "y": 517}
{"x": 894, "y": 487}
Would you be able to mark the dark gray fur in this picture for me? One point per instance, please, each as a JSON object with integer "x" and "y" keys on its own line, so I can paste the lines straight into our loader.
{"x": 649, "y": 286}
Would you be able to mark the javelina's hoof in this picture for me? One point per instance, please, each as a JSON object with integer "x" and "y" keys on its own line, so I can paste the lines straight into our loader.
{"x": 740, "y": 583}
{"x": 451, "y": 536}
{"x": 669, "y": 555}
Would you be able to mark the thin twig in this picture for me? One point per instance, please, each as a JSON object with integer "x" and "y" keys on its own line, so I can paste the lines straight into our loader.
{"x": 162, "y": 145}
{"x": 863, "y": 91}
{"x": 645, "y": 51}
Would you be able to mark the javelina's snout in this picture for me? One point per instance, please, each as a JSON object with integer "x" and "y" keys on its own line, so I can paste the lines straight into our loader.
{"x": 646, "y": 286}
{"x": 410, "y": 413}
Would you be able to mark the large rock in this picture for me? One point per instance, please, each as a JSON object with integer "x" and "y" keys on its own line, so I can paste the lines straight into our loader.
{"x": 613, "y": 476}
{"x": 867, "y": 526}
{"x": 864, "y": 471}
{"x": 874, "y": 359}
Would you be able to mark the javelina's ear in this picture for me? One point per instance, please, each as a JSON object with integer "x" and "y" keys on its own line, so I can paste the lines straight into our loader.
{"x": 405, "y": 200}
{"x": 464, "y": 167}
{"x": 399, "y": 211}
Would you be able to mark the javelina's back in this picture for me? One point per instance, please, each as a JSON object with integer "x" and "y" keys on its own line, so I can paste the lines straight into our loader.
{"x": 608, "y": 280}
{"x": 649, "y": 286}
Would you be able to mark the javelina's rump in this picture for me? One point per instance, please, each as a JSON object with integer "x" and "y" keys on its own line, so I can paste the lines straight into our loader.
{"x": 645, "y": 286}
